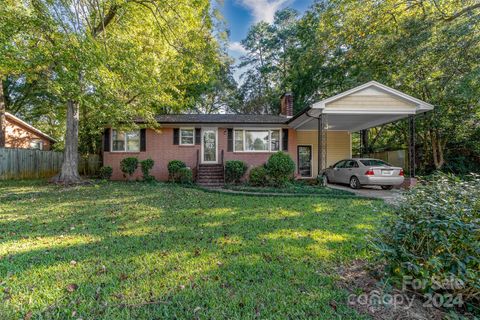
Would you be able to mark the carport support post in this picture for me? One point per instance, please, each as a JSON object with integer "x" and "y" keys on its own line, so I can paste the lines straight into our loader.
{"x": 411, "y": 146}
{"x": 322, "y": 143}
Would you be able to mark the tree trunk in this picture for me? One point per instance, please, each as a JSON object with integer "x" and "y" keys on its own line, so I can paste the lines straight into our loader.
{"x": 437, "y": 150}
{"x": 69, "y": 174}
{"x": 3, "y": 122}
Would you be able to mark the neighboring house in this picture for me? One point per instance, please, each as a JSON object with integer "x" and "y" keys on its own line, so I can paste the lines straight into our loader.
{"x": 19, "y": 134}
{"x": 204, "y": 142}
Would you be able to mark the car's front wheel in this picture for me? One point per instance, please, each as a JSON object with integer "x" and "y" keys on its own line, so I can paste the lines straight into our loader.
{"x": 355, "y": 183}
{"x": 324, "y": 179}
{"x": 387, "y": 187}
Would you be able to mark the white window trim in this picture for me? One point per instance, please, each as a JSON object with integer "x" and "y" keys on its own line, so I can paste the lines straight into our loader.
{"x": 180, "y": 137}
{"x": 37, "y": 141}
{"x": 124, "y": 142}
{"x": 269, "y": 140}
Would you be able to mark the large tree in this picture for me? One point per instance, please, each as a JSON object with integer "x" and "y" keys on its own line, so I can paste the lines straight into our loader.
{"x": 111, "y": 61}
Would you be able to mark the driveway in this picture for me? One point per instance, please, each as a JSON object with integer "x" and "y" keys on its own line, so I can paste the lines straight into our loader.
{"x": 389, "y": 196}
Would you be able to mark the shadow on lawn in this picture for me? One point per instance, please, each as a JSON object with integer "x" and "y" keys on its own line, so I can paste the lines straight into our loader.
{"x": 181, "y": 253}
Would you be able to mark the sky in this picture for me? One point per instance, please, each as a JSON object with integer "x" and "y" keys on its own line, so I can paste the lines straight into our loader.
{"x": 241, "y": 14}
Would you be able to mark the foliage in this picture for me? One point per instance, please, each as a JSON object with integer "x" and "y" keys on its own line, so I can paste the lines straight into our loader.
{"x": 174, "y": 167}
{"x": 235, "y": 170}
{"x": 108, "y": 61}
{"x": 258, "y": 176}
{"x": 427, "y": 49}
{"x": 280, "y": 168}
{"x": 433, "y": 234}
{"x": 185, "y": 175}
{"x": 128, "y": 166}
{"x": 147, "y": 165}
{"x": 106, "y": 172}
{"x": 142, "y": 251}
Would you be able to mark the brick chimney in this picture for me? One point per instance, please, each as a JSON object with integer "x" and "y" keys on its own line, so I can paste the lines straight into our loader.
{"x": 286, "y": 105}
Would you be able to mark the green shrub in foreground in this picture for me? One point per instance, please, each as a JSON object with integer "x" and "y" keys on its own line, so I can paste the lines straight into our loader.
{"x": 128, "y": 166}
{"x": 434, "y": 234}
{"x": 185, "y": 176}
{"x": 106, "y": 172}
{"x": 280, "y": 168}
{"x": 146, "y": 166}
{"x": 173, "y": 168}
{"x": 234, "y": 170}
{"x": 258, "y": 177}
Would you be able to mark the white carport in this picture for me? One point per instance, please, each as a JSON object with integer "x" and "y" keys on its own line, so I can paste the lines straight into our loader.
{"x": 369, "y": 105}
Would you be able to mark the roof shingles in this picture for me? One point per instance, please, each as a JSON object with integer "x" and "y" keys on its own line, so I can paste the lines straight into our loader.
{"x": 222, "y": 118}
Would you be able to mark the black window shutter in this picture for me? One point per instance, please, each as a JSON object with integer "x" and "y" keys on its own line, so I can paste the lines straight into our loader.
{"x": 143, "y": 139}
{"x": 285, "y": 139}
{"x": 198, "y": 137}
{"x": 176, "y": 133}
{"x": 106, "y": 140}
{"x": 230, "y": 140}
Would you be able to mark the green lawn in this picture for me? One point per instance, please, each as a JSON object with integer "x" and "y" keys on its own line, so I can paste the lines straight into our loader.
{"x": 140, "y": 251}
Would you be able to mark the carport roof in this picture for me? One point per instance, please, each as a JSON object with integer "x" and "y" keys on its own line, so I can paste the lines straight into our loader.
{"x": 369, "y": 105}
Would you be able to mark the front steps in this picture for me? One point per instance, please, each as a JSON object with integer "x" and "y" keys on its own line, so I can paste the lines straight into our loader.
{"x": 210, "y": 175}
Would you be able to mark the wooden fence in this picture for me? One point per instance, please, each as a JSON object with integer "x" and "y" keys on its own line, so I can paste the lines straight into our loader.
{"x": 35, "y": 164}
{"x": 396, "y": 157}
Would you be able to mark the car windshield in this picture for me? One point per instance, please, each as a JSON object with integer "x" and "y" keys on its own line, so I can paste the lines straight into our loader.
{"x": 375, "y": 163}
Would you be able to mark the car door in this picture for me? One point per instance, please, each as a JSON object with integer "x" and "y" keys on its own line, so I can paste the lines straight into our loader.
{"x": 336, "y": 172}
{"x": 349, "y": 170}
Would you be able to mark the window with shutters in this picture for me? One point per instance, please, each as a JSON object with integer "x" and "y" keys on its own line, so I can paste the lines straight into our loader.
{"x": 257, "y": 140}
{"x": 187, "y": 136}
{"x": 126, "y": 141}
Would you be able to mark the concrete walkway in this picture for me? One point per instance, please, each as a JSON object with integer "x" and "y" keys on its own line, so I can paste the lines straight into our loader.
{"x": 389, "y": 196}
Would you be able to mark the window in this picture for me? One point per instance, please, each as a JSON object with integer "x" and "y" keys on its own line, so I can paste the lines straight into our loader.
{"x": 187, "y": 137}
{"x": 126, "y": 141}
{"x": 351, "y": 164}
{"x": 36, "y": 144}
{"x": 340, "y": 164}
{"x": 375, "y": 163}
{"x": 239, "y": 140}
{"x": 257, "y": 140}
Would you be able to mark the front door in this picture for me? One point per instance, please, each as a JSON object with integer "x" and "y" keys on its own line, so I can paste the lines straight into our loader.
{"x": 304, "y": 161}
{"x": 209, "y": 145}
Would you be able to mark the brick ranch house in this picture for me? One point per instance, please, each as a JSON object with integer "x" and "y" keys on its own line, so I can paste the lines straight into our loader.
{"x": 19, "y": 134}
{"x": 205, "y": 141}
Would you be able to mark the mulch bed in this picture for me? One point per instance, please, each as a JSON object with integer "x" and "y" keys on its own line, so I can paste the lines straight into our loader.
{"x": 367, "y": 293}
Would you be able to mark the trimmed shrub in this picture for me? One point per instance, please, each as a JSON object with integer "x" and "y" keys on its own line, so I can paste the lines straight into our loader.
{"x": 234, "y": 170}
{"x": 258, "y": 177}
{"x": 173, "y": 168}
{"x": 280, "y": 168}
{"x": 185, "y": 175}
{"x": 146, "y": 166}
{"x": 106, "y": 172}
{"x": 433, "y": 235}
{"x": 128, "y": 166}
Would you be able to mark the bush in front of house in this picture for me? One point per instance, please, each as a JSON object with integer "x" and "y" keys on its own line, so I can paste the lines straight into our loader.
{"x": 128, "y": 166}
{"x": 106, "y": 173}
{"x": 280, "y": 168}
{"x": 258, "y": 177}
{"x": 185, "y": 175}
{"x": 174, "y": 167}
{"x": 433, "y": 234}
{"x": 146, "y": 166}
{"x": 235, "y": 170}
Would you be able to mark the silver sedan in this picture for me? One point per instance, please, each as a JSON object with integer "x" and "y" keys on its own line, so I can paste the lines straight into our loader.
{"x": 364, "y": 171}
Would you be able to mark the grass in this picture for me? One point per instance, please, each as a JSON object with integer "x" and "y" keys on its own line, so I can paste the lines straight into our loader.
{"x": 294, "y": 188}
{"x": 143, "y": 251}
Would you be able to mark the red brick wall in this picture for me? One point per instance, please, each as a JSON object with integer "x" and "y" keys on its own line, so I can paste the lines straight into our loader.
{"x": 19, "y": 136}
{"x": 161, "y": 149}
